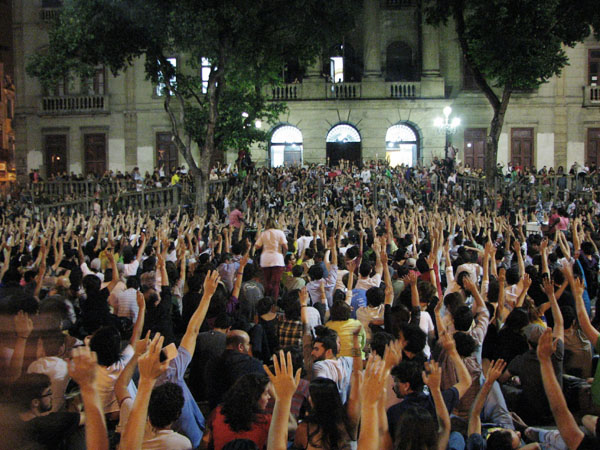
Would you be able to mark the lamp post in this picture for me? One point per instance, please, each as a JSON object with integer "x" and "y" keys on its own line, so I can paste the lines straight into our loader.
{"x": 448, "y": 125}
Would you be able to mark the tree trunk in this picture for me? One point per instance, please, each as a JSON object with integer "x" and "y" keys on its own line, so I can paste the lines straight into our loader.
{"x": 491, "y": 148}
{"x": 201, "y": 186}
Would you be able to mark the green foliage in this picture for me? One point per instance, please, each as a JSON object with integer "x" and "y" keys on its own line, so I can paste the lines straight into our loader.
{"x": 517, "y": 43}
{"x": 247, "y": 44}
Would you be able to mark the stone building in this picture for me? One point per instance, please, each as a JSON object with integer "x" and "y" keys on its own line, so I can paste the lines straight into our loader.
{"x": 7, "y": 95}
{"x": 376, "y": 94}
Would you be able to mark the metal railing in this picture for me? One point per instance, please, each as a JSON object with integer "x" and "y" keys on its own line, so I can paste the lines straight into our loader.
{"x": 74, "y": 104}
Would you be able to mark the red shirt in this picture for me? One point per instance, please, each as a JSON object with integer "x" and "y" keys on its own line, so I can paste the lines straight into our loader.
{"x": 223, "y": 434}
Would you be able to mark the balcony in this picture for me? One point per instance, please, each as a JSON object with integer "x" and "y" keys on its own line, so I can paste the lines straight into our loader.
{"x": 75, "y": 104}
{"x": 591, "y": 96}
{"x": 404, "y": 89}
{"x": 290, "y": 91}
{"x": 344, "y": 90}
{"x": 49, "y": 15}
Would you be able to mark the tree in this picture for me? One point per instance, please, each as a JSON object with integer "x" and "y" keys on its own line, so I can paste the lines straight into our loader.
{"x": 246, "y": 44}
{"x": 512, "y": 45}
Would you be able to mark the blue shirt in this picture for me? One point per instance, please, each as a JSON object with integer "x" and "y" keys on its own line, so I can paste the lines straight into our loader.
{"x": 359, "y": 300}
{"x": 191, "y": 422}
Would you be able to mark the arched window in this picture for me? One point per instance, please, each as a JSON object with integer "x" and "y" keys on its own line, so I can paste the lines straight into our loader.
{"x": 400, "y": 65}
{"x": 343, "y": 143}
{"x": 343, "y": 133}
{"x": 402, "y": 145}
{"x": 286, "y": 146}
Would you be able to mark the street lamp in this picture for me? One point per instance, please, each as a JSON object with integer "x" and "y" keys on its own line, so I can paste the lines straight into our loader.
{"x": 448, "y": 125}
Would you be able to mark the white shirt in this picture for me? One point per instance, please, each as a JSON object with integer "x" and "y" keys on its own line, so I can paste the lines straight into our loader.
{"x": 131, "y": 268}
{"x": 366, "y": 314}
{"x": 271, "y": 242}
{"x": 303, "y": 242}
{"x": 125, "y": 304}
{"x": 366, "y": 283}
{"x": 426, "y": 324}
{"x": 106, "y": 379}
{"x": 164, "y": 439}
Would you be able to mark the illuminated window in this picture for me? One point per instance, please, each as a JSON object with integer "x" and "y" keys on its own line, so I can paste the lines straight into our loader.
{"x": 402, "y": 144}
{"x": 343, "y": 133}
{"x": 161, "y": 85}
{"x": 286, "y": 146}
{"x": 206, "y": 69}
{"x": 337, "y": 69}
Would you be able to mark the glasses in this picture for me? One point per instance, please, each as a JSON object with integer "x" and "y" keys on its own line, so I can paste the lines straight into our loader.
{"x": 47, "y": 394}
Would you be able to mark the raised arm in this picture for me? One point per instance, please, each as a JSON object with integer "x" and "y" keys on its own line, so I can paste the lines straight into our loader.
{"x": 83, "y": 368}
{"x": 567, "y": 426}
{"x": 284, "y": 384}
{"x": 150, "y": 369}
{"x": 210, "y": 286}
{"x": 559, "y": 324}
{"x": 495, "y": 369}
{"x": 432, "y": 377}
{"x": 464, "y": 378}
{"x": 139, "y": 322}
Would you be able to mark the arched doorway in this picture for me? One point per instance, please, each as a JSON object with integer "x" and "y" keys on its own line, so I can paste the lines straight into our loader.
{"x": 402, "y": 145}
{"x": 344, "y": 143}
{"x": 286, "y": 146}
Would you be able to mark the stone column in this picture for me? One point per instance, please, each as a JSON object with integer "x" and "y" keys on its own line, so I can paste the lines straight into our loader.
{"x": 432, "y": 83}
{"x": 315, "y": 69}
{"x": 371, "y": 46}
{"x": 130, "y": 119}
{"x": 430, "y": 37}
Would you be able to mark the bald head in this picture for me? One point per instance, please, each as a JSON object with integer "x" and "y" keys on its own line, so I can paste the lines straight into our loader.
{"x": 238, "y": 340}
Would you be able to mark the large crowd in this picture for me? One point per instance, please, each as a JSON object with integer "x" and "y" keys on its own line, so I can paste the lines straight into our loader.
{"x": 309, "y": 308}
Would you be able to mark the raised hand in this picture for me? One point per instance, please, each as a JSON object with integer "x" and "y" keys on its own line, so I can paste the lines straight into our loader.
{"x": 211, "y": 282}
{"x": 375, "y": 377}
{"x": 303, "y": 296}
{"x": 149, "y": 363}
{"x": 548, "y": 287}
{"x": 495, "y": 369}
{"x": 432, "y": 375}
{"x": 23, "y": 325}
{"x": 284, "y": 381}
{"x": 83, "y": 366}
{"x": 393, "y": 354}
{"x": 546, "y": 345}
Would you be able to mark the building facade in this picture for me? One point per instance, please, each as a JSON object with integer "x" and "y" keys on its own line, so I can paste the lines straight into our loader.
{"x": 7, "y": 95}
{"x": 376, "y": 94}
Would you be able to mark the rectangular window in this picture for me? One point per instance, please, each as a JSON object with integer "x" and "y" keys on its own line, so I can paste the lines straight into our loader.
{"x": 206, "y": 69}
{"x": 96, "y": 84}
{"x": 337, "y": 69}
{"x": 594, "y": 67}
{"x": 593, "y": 147}
{"x": 94, "y": 148}
{"x": 55, "y": 154}
{"x": 521, "y": 145}
{"x": 161, "y": 85}
{"x": 167, "y": 157}
{"x": 475, "y": 139}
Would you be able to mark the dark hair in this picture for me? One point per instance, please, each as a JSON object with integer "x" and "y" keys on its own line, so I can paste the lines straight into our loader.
{"x": 340, "y": 311}
{"x": 223, "y": 321}
{"x": 512, "y": 276}
{"x": 499, "y": 440}
{"x": 414, "y": 336}
{"x": 166, "y": 402}
{"x": 132, "y": 282}
{"x": 91, "y": 284}
{"x": 365, "y": 269}
{"x": 453, "y": 301}
{"x": 326, "y": 337}
{"x": 416, "y": 429}
{"x": 516, "y": 320}
{"x": 240, "y": 403}
{"x": 327, "y": 412}
{"x": 297, "y": 271}
{"x": 463, "y": 318}
{"x": 106, "y": 342}
{"x": 52, "y": 340}
{"x": 264, "y": 305}
{"x": 375, "y": 296}
{"x": 240, "y": 444}
{"x": 379, "y": 341}
{"x": 315, "y": 272}
{"x": 410, "y": 372}
{"x": 291, "y": 305}
{"x": 465, "y": 344}
{"x": 28, "y": 387}
{"x": 569, "y": 315}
